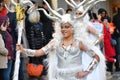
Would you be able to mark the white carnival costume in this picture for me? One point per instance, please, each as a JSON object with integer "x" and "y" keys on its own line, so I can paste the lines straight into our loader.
{"x": 86, "y": 60}
{"x": 65, "y": 63}
{"x": 82, "y": 27}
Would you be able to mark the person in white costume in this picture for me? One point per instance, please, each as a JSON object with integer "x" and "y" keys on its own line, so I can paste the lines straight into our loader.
{"x": 65, "y": 51}
{"x": 87, "y": 39}
{"x": 65, "y": 55}
{"x": 90, "y": 36}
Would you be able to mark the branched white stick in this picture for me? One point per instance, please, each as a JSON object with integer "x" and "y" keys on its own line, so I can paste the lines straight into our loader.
{"x": 17, "y": 60}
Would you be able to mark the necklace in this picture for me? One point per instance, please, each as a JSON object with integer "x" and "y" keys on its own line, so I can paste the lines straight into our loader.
{"x": 67, "y": 50}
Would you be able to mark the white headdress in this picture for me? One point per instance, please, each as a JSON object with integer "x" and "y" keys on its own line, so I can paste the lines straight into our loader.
{"x": 82, "y": 7}
{"x": 64, "y": 19}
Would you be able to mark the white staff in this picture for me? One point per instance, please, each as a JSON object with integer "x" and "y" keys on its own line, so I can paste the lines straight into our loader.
{"x": 20, "y": 10}
{"x": 20, "y": 20}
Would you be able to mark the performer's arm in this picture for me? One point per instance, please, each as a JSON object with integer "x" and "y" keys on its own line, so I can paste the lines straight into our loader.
{"x": 98, "y": 35}
{"x": 100, "y": 38}
{"x": 40, "y": 52}
{"x": 92, "y": 54}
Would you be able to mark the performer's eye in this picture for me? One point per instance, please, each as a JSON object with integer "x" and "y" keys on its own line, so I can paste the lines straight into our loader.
{"x": 78, "y": 13}
{"x": 65, "y": 27}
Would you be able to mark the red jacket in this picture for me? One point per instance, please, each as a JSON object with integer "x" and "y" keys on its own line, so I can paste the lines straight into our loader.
{"x": 108, "y": 48}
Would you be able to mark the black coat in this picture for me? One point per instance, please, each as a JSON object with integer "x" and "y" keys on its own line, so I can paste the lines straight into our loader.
{"x": 116, "y": 21}
{"x": 47, "y": 26}
{"x": 13, "y": 26}
{"x": 36, "y": 40}
{"x": 36, "y": 37}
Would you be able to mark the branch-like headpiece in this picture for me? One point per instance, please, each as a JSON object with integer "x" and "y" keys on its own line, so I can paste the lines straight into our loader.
{"x": 83, "y": 6}
{"x": 57, "y": 15}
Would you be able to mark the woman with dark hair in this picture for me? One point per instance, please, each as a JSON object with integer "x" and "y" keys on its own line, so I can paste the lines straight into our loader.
{"x": 3, "y": 56}
{"x": 6, "y": 34}
{"x": 103, "y": 13}
{"x": 98, "y": 25}
{"x": 3, "y": 50}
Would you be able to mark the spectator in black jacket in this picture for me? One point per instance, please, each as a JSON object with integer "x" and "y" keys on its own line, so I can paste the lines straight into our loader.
{"x": 47, "y": 23}
{"x": 116, "y": 36}
{"x": 116, "y": 20}
{"x": 36, "y": 40}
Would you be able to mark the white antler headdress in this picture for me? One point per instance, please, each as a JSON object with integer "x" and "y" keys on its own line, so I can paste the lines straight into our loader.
{"x": 83, "y": 6}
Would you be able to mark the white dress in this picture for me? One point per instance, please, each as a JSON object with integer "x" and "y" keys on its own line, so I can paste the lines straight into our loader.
{"x": 64, "y": 65}
{"x": 99, "y": 73}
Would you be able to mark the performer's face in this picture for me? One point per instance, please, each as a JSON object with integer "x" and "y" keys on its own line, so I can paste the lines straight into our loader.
{"x": 66, "y": 30}
{"x": 78, "y": 13}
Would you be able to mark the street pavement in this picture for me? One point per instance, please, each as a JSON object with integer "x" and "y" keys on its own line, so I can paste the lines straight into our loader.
{"x": 116, "y": 76}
